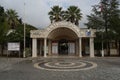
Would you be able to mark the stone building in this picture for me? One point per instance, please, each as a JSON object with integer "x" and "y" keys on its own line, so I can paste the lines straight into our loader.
{"x": 62, "y": 38}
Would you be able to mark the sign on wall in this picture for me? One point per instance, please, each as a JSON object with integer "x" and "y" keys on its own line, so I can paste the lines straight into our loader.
{"x": 13, "y": 46}
{"x": 88, "y": 33}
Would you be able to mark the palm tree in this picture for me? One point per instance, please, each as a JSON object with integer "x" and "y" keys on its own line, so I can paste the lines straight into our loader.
{"x": 12, "y": 18}
{"x": 55, "y": 14}
{"x": 73, "y": 15}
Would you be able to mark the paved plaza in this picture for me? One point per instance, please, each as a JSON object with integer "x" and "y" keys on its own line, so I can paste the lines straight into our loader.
{"x": 61, "y": 68}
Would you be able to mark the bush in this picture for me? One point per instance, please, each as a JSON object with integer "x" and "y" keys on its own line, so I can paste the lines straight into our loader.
{"x": 28, "y": 52}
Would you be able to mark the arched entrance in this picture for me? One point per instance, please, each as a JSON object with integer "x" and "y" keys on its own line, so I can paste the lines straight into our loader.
{"x": 63, "y": 41}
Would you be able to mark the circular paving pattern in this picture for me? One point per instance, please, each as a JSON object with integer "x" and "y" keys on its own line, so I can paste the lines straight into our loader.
{"x": 65, "y": 65}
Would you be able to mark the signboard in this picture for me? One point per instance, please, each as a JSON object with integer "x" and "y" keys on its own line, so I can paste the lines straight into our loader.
{"x": 88, "y": 33}
{"x": 13, "y": 46}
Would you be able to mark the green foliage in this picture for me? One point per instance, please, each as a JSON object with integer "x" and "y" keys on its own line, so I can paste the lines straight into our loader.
{"x": 95, "y": 22}
{"x": 28, "y": 52}
{"x": 114, "y": 18}
{"x": 18, "y": 33}
{"x": 72, "y": 14}
{"x": 56, "y": 14}
{"x": 3, "y": 32}
{"x": 105, "y": 18}
{"x": 12, "y": 29}
{"x": 3, "y": 26}
{"x": 12, "y": 18}
{"x": 103, "y": 14}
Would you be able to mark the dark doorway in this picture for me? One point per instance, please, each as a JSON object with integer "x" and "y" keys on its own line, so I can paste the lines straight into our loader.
{"x": 63, "y": 47}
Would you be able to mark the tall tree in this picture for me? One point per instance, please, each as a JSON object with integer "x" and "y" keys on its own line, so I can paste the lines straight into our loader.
{"x": 73, "y": 15}
{"x": 114, "y": 20}
{"x": 12, "y": 18}
{"x": 56, "y": 14}
{"x": 104, "y": 18}
{"x": 3, "y": 28}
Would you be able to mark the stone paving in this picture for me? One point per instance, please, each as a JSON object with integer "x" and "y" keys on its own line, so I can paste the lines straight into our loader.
{"x": 6, "y": 63}
{"x": 108, "y": 68}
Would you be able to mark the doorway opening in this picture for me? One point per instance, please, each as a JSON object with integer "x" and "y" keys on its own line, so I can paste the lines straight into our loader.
{"x": 63, "y": 47}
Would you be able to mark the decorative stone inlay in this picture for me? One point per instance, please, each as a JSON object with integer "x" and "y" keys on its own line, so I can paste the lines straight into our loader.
{"x": 61, "y": 66}
{"x": 65, "y": 65}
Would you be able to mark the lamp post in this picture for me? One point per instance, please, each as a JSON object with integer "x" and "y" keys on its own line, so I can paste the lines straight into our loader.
{"x": 24, "y": 33}
{"x": 102, "y": 14}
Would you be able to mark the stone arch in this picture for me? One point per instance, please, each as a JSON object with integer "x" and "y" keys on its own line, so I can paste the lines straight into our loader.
{"x": 62, "y": 24}
{"x": 62, "y": 32}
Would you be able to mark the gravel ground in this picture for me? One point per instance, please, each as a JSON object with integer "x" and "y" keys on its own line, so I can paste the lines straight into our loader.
{"x": 22, "y": 69}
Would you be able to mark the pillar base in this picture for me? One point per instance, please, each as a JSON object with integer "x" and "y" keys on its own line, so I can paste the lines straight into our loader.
{"x": 80, "y": 56}
{"x": 102, "y": 53}
{"x": 92, "y": 56}
{"x": 34, "y": 55}
{"x": 45, "y": 56}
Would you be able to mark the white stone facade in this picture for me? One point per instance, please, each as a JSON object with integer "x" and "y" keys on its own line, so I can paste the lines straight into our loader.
{"x": 58, "y": 31}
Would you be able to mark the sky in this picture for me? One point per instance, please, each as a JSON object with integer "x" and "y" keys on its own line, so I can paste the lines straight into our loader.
{"x": 36, "y": 11}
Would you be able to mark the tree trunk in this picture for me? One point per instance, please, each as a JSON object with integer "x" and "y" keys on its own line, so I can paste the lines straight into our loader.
{"x": 119, "y": 48}
{"x": 108, "y": 48}
{"x": 2, "y": 49}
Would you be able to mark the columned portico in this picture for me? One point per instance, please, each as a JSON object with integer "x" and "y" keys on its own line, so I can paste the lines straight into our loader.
{"x": 62, "y": 38}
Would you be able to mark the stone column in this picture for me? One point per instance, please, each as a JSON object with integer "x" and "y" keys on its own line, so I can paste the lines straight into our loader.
{"x": 49, "y": 47}
{"x": 34, "y": 47}
{"x": 40, "y": 47}
{"x": 91, "y": 47}
{"x": 80, "y": 47}
{"x": 76, "y": 47}
{"x": 45, "y": 47}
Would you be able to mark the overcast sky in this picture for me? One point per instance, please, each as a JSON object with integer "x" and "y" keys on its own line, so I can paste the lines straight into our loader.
{"x": 37, "y": 10}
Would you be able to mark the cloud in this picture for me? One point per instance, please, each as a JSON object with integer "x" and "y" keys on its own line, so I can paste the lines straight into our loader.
{"x": 37, "y": 10}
